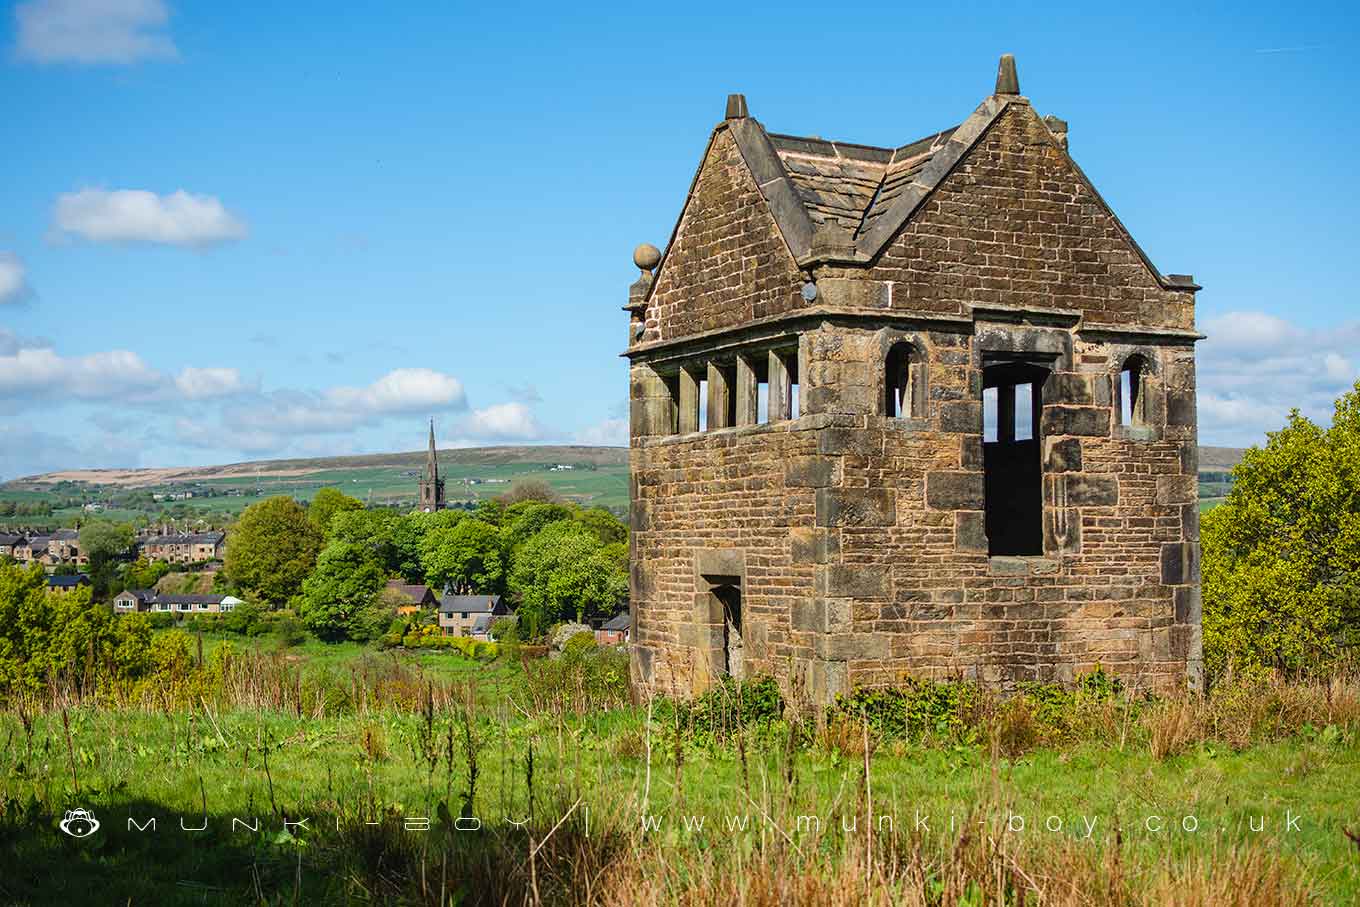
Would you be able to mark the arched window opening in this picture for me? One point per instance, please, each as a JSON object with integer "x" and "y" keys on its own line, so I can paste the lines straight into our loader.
{"x": 904, "y": 383}
{"x": 1132, "y": 399}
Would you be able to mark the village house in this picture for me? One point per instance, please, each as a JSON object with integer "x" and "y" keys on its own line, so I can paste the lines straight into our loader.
{"x": 919, "y": 410}
{"x": 469, "y": 615}
{"x": 8, "y": 542}
{"x": 614, "y": 631}
{"x": 66, "y": 583}
{"x": 33, "y": 549}
{"x": 415, "y": 596}
{"x": 183, "y": 548}
{"x": 149, "y": 600}
{"x": 63, "y": 547}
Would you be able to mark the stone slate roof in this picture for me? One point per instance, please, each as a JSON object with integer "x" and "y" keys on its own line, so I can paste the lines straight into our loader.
{"x": 472, "y": 604}
{"x": 67, "y": 582}
{"x": 165, "y": 599}
{"x": 852, "y": 185}
{"x": 39, "y": 542}
{"x": 618, "y": 622}
{"x": 414, "y": 591}
{"x": 66, "y": 535}
{"x": 192, "y": 538}
{"x": 842, "y": 203}
{"x": 142, "y": 595}
{"x": 10, "y": 540}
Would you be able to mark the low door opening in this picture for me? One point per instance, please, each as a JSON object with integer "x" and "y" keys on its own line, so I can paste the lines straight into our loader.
{"x": 733, "y": 650}
{"x": 1013, "y": 485}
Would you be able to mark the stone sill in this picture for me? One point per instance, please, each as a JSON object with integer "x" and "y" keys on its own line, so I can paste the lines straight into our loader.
{"x": 802, "y": 423}
{"x": 1021, "y": 565}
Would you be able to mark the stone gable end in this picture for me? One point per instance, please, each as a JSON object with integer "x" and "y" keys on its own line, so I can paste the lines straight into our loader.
{"x": 1015, "y": 224}
{"x": 728, "y": 263}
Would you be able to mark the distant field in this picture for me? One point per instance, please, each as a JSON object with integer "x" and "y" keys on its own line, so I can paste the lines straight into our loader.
{"x": 599, "y": 476}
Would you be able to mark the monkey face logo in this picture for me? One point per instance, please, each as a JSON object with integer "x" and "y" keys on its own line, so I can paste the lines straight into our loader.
{"x": 79, "y": 823}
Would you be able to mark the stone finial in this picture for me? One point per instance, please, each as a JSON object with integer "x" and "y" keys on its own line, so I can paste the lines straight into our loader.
{"x": 736, "y": 107}
{"x": 646, "y": 256}
{"x": 1007, "y": 82}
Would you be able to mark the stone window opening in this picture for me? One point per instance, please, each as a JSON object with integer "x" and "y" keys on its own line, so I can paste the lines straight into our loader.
{"x": 1013, "y": 472}
{"x": 1132, "y": 403}
{"x": 783, "y": 390}
{"x": 721, "y": 409}
{"x": 904, "y": 382}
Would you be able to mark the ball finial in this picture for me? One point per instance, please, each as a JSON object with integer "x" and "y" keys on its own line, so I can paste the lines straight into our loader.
{"x": 646, "y": 256}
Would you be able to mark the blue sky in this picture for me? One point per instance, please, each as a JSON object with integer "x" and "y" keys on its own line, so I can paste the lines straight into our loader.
{"x": 232, "y": 231}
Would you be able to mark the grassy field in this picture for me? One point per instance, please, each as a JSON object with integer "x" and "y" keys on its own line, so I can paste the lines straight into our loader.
{"x": 1241, "y": 799}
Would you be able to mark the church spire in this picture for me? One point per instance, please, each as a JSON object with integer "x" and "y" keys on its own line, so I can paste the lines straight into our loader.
{"x": 431, "y": 486}
{"x": 432, "y": 461}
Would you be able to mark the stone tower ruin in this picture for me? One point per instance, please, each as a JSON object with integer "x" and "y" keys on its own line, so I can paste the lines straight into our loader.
{"x": 925, "y": 410}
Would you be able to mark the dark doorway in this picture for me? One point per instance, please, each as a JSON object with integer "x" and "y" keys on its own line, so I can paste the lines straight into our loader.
{"x": 733, "y": 650}
{"x": 1011, "y": 404}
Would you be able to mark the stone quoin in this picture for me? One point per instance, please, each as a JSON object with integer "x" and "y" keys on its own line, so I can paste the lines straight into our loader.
{"x": 925, "y": 410}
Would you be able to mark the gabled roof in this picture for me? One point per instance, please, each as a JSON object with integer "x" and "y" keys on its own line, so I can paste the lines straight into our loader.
{"x": 10, "y": 540}
{"x": 472, "y": 604}
{"x": 142, "y": 595}
{"x": 414, "y": 591}
{"x": 843, "y": 203}
{"x": 621, "y": 621}
{"x": 68, "y": 581}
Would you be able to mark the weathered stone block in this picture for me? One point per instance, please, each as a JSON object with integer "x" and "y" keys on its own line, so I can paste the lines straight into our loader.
{"x": 810, "y": 472}
{"x": 856, "y": 507}
{"x": 857, "y": 441}
{"x": 961, "y": 416}
{"x": 1180, "y": 407}
{"x": 1180, "y": 563}
{"x": 1189, "y": 604}
{"x": 1076, "y": 420}
{"x": 1062, "y": 530}
{"x": 1071, "y": 388}
{"x": 1084, "y": 490}
{"x": 970, "y": 531}
{"x": 847, "y": 646}
{"x": 854, "y": 581}
{"x": 1062, "y": 455}
{"x": 1177, "y": 489}
{"x": 955, "y": 490}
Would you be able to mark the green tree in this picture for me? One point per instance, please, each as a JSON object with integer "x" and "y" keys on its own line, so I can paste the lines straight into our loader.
{"x": 607, "y": 527}
{"x": 522, "y": 521}
{"x": 105, "y": 542}
{"x": 345, "y": 583}
{"x": 272, "y": 548}
{"x": 1281, "y": 556}
{"x": 564, "y": 572}
{"x": 326, "y": 503}
{"x": 375, "y": 529}
{"x": 530, "y": 490}
{"x": 466, "y": 558}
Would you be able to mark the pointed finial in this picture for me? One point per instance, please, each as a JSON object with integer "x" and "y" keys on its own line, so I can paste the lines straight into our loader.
{"x": 1007, "y": 82}
{"x": 736, "y": 107}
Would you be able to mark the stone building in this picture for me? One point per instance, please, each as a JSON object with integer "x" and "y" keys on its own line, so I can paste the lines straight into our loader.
{"x": 431, "y": 486}
{"x": 925, "y": 410}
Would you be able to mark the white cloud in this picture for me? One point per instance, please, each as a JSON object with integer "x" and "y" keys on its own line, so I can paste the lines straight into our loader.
{"x": 93, "y": 31}
{"x": 503, "y": 421}
{"x": 605, "y": 433}
{"x": 13, "y": 279}
{"x": 341, "y": 409}
{"x": 1255, "y": 367}
{"x": 135, "y": 215}
{"x": 40, "y": 371}
{"x": 400, "y": 391}
{"x": 205, "y": 383}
